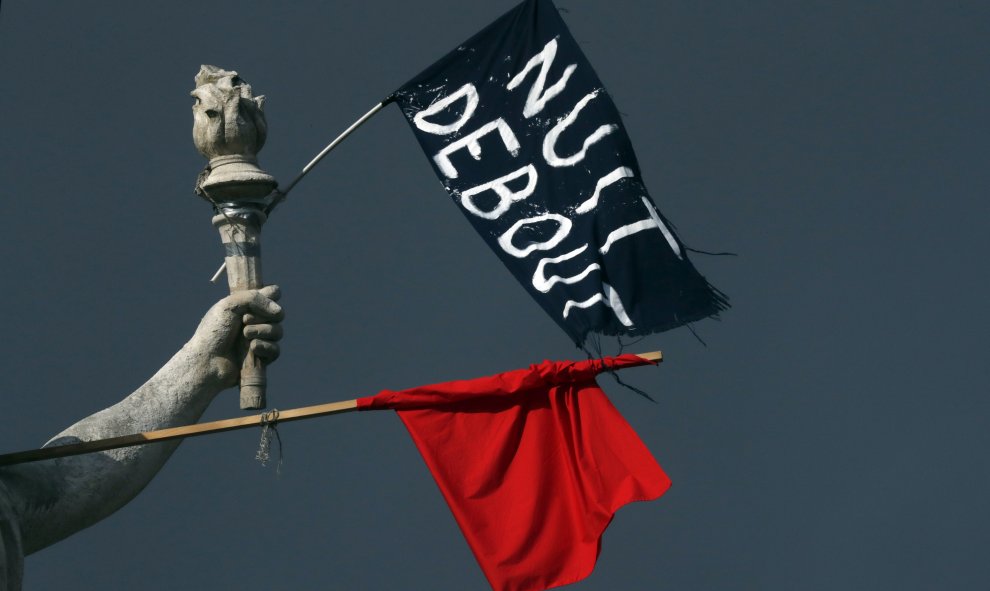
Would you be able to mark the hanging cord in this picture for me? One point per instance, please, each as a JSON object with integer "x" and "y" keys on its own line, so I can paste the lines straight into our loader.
{"x": 269, "y": 427}
{"x": 696, "y": 335}
{"x": 622, "y": 346}
{"x": 595, "y": 341}
{"x": 618, "y": 380}
{"x": 709, "y": 253}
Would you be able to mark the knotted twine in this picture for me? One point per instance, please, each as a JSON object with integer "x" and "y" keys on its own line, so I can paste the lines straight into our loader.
{"x": 269, "y": 427}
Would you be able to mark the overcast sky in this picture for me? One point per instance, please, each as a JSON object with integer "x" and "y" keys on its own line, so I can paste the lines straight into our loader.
{"x": 831, "y": 436}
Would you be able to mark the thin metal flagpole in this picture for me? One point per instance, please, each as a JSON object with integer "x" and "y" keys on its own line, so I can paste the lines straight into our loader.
{"x": 266, "y": 418}
{"x": 281, "y": 194}
{"x": 335, "y": 142}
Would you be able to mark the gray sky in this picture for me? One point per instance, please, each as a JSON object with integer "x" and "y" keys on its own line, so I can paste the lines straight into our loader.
{"x": 832, "y": 435}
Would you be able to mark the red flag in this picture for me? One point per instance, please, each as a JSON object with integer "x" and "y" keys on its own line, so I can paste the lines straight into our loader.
{"x": 533, "y": 463}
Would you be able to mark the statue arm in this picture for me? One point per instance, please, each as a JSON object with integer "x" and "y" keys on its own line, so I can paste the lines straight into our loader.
{"x": 56, "y": 498}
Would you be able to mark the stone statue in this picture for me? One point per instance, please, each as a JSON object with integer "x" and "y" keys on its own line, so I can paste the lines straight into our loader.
{"x": 47, "y": 501}
{"x": 229, "y": 129}
{"x": 44, "y": 502}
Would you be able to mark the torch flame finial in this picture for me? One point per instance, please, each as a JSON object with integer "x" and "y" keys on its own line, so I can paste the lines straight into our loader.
{"x": 229, "y": 129}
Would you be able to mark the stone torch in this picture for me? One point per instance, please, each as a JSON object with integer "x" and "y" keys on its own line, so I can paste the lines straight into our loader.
{"x": 229, "y": 129}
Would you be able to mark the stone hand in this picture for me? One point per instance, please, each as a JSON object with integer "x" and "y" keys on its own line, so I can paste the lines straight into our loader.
{"x": 55, "y": 499}
{"x": 256, "y": 315}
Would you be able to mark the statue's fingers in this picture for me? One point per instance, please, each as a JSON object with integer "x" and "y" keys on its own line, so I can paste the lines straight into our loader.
{"x": 250, "y": 318}
{"x": 265, "y": 350}
{"x": 271, "y": 292}
{"x": 268, "y": 332}
{"x": 257, "y": 303}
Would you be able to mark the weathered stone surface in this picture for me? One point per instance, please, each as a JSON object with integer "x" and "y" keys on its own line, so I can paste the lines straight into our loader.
{"x": 44, "y": 502}
{"x": 229, "y": 129}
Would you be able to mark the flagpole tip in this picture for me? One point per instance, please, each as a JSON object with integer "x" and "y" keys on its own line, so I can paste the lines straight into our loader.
{"x": 654, "y": 356}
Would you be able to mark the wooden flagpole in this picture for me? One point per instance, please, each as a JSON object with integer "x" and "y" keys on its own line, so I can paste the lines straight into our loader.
{"x": 84, "y": 447}
{"x": 275, "y": 416}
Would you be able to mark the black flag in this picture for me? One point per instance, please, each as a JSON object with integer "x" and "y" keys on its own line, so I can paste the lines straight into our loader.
{"x": 530, "y": 146}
